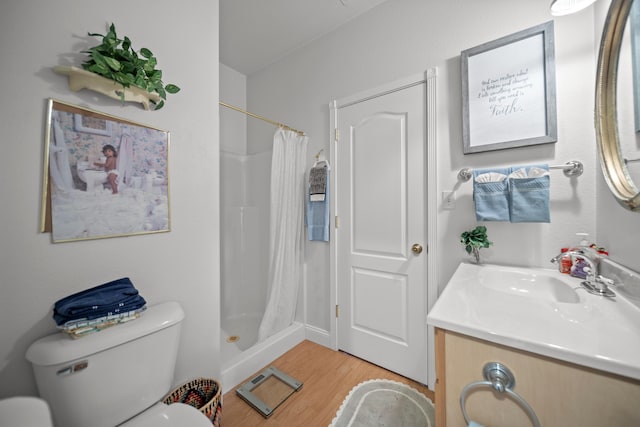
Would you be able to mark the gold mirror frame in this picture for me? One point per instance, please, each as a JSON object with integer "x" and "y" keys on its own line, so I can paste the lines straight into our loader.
{"x": 613, "y": 165}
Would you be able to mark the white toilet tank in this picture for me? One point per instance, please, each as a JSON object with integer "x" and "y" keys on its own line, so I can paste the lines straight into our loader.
{"x": 103, "y": 379}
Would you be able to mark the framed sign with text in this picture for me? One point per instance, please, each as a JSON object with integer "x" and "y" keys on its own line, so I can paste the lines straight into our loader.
{"x": 509, "y": 91}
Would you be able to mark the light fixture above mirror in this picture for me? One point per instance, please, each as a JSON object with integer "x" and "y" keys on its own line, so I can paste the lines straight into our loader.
{"x": 566, "y": 7}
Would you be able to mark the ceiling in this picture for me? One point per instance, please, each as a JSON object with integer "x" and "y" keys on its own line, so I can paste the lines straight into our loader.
{"x": 256, "y": 33}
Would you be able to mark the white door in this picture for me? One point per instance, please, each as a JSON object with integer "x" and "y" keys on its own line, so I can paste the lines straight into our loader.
{"x": 381, "y": 231}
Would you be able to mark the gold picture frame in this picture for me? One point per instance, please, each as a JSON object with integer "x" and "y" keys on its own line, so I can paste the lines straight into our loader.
{"x": 107, "y": 180}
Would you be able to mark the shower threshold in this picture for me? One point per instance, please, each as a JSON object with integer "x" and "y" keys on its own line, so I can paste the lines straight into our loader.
{"x": 268, "y": 390}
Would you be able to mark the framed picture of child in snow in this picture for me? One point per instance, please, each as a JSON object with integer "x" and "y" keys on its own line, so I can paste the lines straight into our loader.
{"x": 103, "y": 176}
{"x": 509, "y": 92}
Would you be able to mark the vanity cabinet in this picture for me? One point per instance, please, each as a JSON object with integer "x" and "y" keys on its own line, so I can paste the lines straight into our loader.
{"x": 561, "y": 394}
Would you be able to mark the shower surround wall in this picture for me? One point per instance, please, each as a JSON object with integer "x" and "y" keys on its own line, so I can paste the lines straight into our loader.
{"x": 245, "y": 175}
{"x": 244, "y": 241}
{"x": 244, "y": 230}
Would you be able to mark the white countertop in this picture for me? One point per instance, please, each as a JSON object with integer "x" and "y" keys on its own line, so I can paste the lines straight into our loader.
{"x": 571, "y": 325}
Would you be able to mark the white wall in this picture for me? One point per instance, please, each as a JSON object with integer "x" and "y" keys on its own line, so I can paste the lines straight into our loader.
{"x": 181, "y": 265}
{"x": 404, "y": 37}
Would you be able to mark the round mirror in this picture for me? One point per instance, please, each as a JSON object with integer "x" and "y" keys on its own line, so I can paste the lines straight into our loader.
{"x": 612, "y": 160}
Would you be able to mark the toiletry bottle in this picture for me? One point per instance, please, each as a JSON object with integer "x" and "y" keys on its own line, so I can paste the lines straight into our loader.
{"x": 577, "y": 269}
{"x": 599, "y": 250}
{"x": 565, "y": 262}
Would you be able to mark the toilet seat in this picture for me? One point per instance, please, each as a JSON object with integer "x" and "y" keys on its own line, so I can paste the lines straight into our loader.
{"x": 93, "y": 178}
{"x": 174, "y": 415}
{"x": 25, "y": 411}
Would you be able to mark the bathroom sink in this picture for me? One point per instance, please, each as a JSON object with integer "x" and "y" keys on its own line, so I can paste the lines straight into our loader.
{"x": 528, "y": 284}
{"x": 545, "y": 312}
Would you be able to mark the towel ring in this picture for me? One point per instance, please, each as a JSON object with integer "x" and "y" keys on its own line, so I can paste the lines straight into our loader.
{"x": 500, "y": 378}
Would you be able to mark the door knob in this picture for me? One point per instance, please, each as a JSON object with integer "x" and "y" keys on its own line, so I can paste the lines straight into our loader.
{"x": 416, "y": 248}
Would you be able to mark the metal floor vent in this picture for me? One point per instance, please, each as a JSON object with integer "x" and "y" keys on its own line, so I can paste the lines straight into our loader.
{"x": 268, "y": 390}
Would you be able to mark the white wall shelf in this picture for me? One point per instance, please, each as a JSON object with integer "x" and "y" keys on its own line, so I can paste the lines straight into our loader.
{"x": 83, "y": 79}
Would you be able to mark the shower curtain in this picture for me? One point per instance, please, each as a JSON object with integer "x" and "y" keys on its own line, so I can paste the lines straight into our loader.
{"x": 286, "y": 230}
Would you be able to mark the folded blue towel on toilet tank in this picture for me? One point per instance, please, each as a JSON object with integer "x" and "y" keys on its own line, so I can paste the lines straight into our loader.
{"x": 117, "y": 296}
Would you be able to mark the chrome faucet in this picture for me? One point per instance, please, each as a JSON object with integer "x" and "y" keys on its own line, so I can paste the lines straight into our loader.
{"x": 594, "y": 283}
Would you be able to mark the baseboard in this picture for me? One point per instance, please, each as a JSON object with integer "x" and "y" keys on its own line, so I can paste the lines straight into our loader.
{"x": 317, "y": 335}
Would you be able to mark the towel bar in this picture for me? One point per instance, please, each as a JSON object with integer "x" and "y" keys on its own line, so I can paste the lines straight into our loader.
{"x": 500, "y": 378}
{"x": 570, "y": 168}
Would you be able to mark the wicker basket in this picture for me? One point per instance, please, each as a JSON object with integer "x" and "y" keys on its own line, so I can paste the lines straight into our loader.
{"x": 205, "y": 394}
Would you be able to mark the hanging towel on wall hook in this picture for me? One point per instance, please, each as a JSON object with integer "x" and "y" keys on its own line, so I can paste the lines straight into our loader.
{"x": 318, "y": 178}
{"x": 318, "y": 200}
{"x": 317, "y": 215}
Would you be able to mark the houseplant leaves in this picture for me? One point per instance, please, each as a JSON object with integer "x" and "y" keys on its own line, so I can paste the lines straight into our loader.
{"x": 116, "y": 60}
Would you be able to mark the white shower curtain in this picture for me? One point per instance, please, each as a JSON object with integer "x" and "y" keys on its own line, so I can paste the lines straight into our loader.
{"x": 286, "y": 230}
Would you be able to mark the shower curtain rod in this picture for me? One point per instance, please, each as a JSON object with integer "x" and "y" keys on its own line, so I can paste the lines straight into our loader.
{"x": 273, "y": 122}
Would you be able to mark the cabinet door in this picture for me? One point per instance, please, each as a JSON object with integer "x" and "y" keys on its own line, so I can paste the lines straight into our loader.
{"x": 560, "y": 393}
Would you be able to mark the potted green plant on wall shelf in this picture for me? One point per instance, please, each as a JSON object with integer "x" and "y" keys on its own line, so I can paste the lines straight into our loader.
{"x": 115, "y": 69}
{"x": 474, "y": 240}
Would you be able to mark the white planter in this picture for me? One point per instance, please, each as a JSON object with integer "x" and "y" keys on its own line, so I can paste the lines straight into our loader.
{"x": 83, "y": 79}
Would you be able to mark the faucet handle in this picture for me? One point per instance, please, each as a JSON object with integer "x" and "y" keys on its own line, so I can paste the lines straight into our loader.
{"x": 609, "y": 282}
{"x": 590, "y": 274}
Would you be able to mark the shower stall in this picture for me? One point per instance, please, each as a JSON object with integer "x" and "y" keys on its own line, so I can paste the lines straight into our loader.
{"x": 244, "y": 231}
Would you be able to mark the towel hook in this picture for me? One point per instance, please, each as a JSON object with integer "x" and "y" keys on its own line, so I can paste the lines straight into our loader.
{"x": 500, "y": 378}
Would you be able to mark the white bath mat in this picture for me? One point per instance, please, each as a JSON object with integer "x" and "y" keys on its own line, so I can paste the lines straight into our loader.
{"x": 378, "y": 403}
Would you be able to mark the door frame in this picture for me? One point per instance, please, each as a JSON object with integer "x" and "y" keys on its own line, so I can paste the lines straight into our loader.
{"x": 429, "y": 79}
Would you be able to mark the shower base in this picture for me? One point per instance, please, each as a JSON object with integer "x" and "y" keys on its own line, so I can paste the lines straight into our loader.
{"x": 238, "y": 365}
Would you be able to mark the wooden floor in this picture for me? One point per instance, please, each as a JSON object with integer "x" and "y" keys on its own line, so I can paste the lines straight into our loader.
{"x": 328, "y": 376}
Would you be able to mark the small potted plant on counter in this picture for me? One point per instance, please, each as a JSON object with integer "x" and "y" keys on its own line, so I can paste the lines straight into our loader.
{"x": 474, "y": 240}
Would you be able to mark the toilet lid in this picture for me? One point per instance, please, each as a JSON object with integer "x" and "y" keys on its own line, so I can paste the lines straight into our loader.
{"x": 25, "y": 411}
{"x": 174, "y": 415}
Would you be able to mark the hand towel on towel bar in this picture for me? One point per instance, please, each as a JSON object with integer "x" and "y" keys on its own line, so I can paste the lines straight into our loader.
{"x": 317, "y": 217}
{"x": 491, "y": 194}
{"x": 529, "y": 194}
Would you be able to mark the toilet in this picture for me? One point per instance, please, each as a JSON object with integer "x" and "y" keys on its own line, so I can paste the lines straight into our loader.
{"x": 94, "y": 178}
{"x": 24, "y": 411}
{"x": 115, "y": 377}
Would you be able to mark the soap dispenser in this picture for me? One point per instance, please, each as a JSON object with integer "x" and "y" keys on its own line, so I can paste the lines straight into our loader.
{"x": 584, "y": 242}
